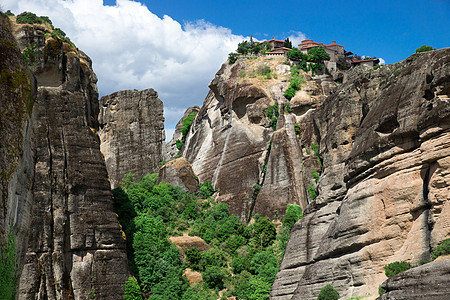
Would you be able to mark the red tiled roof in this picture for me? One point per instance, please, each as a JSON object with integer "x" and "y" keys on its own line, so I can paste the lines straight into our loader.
{"x": 275, "y": 40}
{"x": 362, "y": 60}
{"x": 333, "y": 43}
{"x": 282, "y": 48}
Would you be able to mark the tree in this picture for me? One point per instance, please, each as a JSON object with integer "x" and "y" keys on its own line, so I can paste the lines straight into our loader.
{"x": 287, "y": 43}
{"x": 424, "y": 48}
{"x": 328, "y": 293}
{"x": 318, "y": 54}
{"x": 296, "y": 54}
{"x": 244, "y": 47}
{"x": 213, "y": 277}
{"x": 132, "y": 290}
{"x": 232, "y": 58}
{"x": 293, "y": 214}
{"x": 396, "y": 268}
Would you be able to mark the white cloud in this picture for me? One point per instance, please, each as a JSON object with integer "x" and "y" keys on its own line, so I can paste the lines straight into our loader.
{"x": 296, "y": 37}
{"x": 382, "y": 62}
{"x": 132, "y": 48}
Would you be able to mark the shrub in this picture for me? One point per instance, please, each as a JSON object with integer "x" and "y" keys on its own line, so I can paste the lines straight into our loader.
{"x": 213, "y": 277}
{"x": 263, "y": 70}
{"x": 396, "y": 268}
{"x": 206, "y": 190}
{"x": 264, "y": 232}
{"x": 290, "y": 93}
{"x": 272, "y": 112}
{"x": 328, "y": 292}
{"x": 187, "y": 122}
{"x": 179, "y": 144}
{"x": 8, "y": 266}
{"x": 28, "y": 18}
{"x": 424, "y": 48}
{"x": 9, "y": 13}
{"x": 318, "y": 54}
{"x": 232, "y": 57}
{"x": 315, "y": 174}
{"x": 293, "y": 214}
{"x": 296, "y": 54}
{"x": 29, "y": 53}
{"x": 132, "y": 290}
{"x": 312, "y": 192}
{"x": 441, "y": 249}
{"x": 194, "y": 257}
{"x": 256, "y": 188}
{"x": 297, "y": 128}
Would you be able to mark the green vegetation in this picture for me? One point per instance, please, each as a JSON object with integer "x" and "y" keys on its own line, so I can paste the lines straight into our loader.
{"x": 57, "y": 33}
{"x": 293, "y": 214}
{"x": 29, "y": 53}
{"x": 396, "y": 267}
{"x": 328, "y": 293}
{"x": 296, "y": 80}
{"x": 312, "y": 191}
{"x": 8, "y": 266}
{"x": 287, "y": 108}
{"x": 296, "y": 54}
{"x": 441, "y": 249}
{"x": 315, "y": 175}
{"x": 287, "y": 43}
{"x": 232, "y": 57}
{"x": 31, "y": 18}
{"x": 315, "y": 149}
{"x": 150, "y": 213}
{"x": 272, "y": 112}
{"x": 424, "y": 48}
{"x": 132, "y": 290}
{"x": 187, "y": 122}
{"x": 8, "y": 13}
{"x": 318, "y": 54}
{"x": 256, "y": 188}
{"x": 297, "y": 128}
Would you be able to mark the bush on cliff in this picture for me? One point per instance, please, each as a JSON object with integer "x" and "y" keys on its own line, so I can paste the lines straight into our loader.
{"x": 293, "y": 214}
{"x": 441, "y": 249}
{"x": 328, "y": 293}
{"x": 424, "y": 48}
{"x": 132, "y": 290}
{"x": 396, "y": 268}
{"x": 31, "y": 18}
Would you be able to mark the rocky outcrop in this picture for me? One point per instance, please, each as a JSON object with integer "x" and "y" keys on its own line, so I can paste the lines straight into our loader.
{"x": 171, "y": 147}
{"x": 384, "y": 141}
{"x": 232, "y": 144}
{"x": 131, "y": 133}
{"x": 74, "y": 246}
{"x": 18, "y": 91}
{"x": 429, "y": 281}
{"x": 178, "y": 172}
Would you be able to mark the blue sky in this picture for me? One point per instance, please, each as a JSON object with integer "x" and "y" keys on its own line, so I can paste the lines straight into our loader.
{"x": 176, "y": 47}
{"x": 388, "y": 29}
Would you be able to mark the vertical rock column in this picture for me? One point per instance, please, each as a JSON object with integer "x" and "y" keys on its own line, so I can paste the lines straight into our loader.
{"x": 132, "y": 133}
{"x": 75, "y": 246}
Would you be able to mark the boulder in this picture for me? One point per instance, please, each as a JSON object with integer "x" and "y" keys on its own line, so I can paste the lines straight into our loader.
{"x": 179, "y": 172}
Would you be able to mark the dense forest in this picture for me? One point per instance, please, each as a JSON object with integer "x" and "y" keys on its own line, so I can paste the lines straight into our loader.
{"x": 242, "y": 260}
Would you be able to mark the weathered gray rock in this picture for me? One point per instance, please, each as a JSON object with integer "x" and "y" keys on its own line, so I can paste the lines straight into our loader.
{"x": 75, "y": 248}
{"x": 429, "y": 281}
{"x": 230, "y": 141}
{"x": 171, "y": 147}
{"x": 131, "y": 133}
{"x": 17, "y": 91}
{"x": 178, "y": 172}
{"x": 384, "y": 140}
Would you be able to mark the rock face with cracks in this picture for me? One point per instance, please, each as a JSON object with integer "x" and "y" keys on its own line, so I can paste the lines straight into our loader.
{"x": 384, "y": 141}
{"x": 231, "y": 142}
{"x": 131, "y": 133}
{"x": 74, "y": 247}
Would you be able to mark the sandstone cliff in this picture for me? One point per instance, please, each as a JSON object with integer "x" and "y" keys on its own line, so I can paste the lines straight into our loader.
{"x": 131, "y": 133}
{"x": 17, "y": 92}
{"x": 74, "y": 247}
{"x": 384, "y": 139}
{"x": 232, "y": 144}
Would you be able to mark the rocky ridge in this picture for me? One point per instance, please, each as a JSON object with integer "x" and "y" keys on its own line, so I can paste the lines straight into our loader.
{"x": 384, "y": 141}
{"x": 74, "y": 248}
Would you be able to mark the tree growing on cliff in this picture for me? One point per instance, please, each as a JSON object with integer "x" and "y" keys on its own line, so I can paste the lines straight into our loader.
{"x": 287, "y": 43}
{"x": 318, "y": 54}
{"x": 424, "y": 48}
{"x": 328, "y": 292}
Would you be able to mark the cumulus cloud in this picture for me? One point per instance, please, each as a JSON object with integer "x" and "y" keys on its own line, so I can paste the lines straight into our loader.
{"x": 132, "y": 48}
{"x": 296, "y": 37}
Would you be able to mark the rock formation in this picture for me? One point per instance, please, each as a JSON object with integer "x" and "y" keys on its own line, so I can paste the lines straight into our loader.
{"x": 429, "y": 281}
{"x": 131, "y": 133}
{"x": 232, "y": 144}
{"x": 74, "y": 247}
{"x": 171, "y": 147}
{"x": 384, "y": 139}
{"x": 179, "y": 172}
{"x": 18, "y": 91}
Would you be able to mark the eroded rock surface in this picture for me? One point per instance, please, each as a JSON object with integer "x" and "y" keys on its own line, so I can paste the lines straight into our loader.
{"x": 384, "y": 140}
{"x": 232, "y": 144}
{"x": 131, "y": 133}
{"x": 17, "y": 91}
{"x": 75, "y": 249}
{"x": 178, "y": 172}
{"x": 429, "y": 281}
